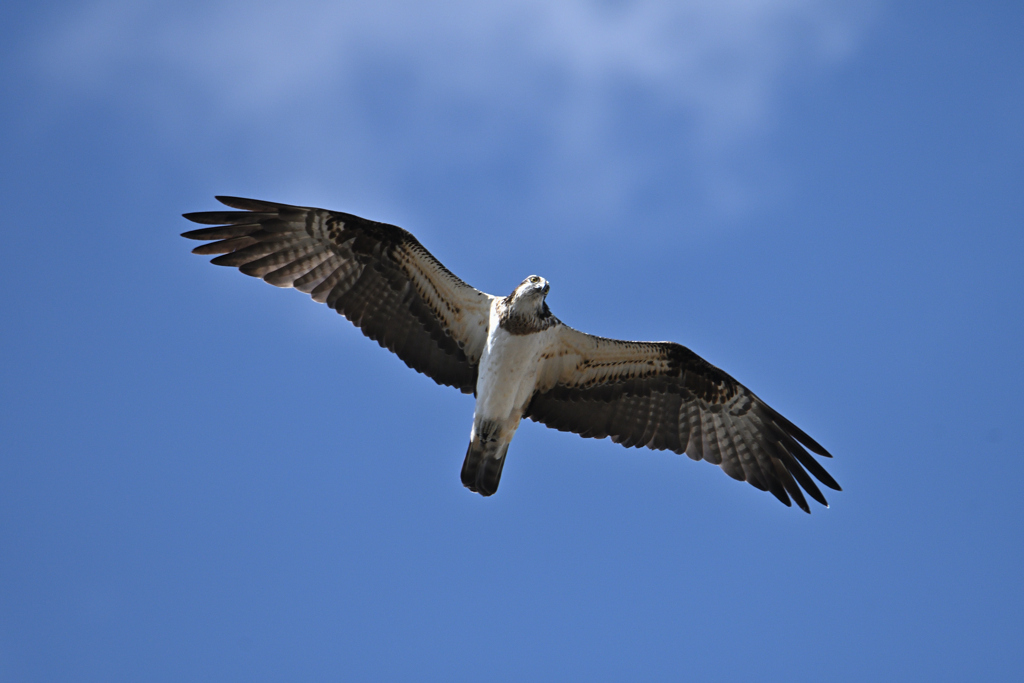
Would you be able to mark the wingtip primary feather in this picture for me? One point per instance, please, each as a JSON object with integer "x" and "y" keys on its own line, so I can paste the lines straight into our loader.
{"x": 196, "y": 217}
{"x": 252, "y": 204}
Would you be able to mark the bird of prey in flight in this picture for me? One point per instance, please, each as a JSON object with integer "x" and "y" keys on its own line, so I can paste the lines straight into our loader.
{"x": 517, "y": 358}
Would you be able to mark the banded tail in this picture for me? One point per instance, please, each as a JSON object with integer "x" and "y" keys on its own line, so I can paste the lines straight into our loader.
{"x": 481, "y": 471}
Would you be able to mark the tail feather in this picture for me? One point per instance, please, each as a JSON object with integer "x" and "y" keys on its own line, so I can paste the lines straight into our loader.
{"x": 481, "y": 471}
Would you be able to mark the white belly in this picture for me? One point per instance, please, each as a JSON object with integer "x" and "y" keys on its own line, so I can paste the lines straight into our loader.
{"x": 508, "y": 373}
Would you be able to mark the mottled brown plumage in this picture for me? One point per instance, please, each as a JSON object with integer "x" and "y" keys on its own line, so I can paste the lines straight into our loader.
{"x": 677, "y": 401}
{"x": 376, "y": 275}
{"x": 519, "y": 324}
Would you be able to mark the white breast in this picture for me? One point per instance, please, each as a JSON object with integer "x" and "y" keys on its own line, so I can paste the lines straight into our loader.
{"x": 508, "y": 371}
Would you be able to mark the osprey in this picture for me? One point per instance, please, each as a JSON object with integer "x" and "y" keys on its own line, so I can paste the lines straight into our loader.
{"x": 517, "y": 358}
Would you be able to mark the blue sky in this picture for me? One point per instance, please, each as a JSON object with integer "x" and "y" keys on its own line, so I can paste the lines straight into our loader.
{"x": 205, "y": 478}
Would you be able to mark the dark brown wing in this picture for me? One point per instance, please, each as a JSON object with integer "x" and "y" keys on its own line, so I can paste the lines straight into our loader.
{"x": 376, "y": 275}
{"x": 663, "y": 396}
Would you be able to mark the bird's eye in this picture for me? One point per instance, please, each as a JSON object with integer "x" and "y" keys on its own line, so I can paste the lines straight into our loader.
{"x": 534, "y": 279}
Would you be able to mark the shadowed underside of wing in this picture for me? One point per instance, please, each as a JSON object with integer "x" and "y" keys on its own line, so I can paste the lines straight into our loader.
{"x": 663, "y": 396}
{"x": 376, "y": 275}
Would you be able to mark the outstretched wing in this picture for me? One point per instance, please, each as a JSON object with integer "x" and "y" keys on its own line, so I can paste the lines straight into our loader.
{"x": 663, "y": 396}
{"x": 376, "y": 275}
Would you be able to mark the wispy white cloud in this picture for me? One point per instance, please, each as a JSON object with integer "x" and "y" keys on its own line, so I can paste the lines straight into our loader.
{"x": 447, "y": 81}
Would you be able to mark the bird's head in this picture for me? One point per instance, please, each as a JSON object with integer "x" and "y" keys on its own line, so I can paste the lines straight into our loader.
{"x": 528, "y": 297}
